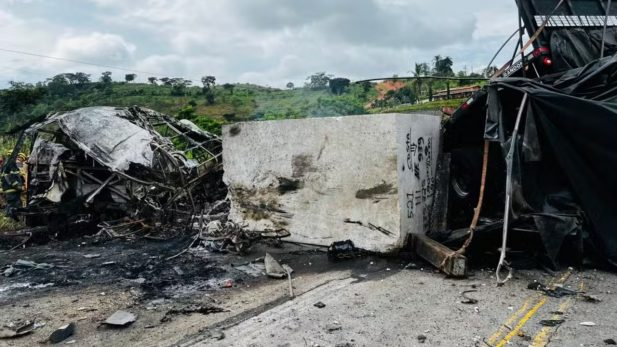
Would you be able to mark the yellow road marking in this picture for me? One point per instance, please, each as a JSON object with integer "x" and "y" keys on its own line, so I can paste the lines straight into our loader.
{"x": 542, "y": 337}
{"x": 521, "y": 323}
{"x": 505, "y": 327}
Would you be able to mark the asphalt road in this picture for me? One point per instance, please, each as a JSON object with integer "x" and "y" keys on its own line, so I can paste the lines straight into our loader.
{"x": 391, "y": 307}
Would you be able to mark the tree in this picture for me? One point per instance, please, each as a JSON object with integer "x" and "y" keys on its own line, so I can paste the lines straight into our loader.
{"x": 442, "y": 66}
{"x": 208, "y": 82}
{"x": 178, "y": 86}
{"x": 106, "y": 77}
{"x": 420, "y": 70}
{"x": 290, "y": 85}
{"x": 166, "y": 81}
{"x": 318, "y": 80}
{"x": 58, "y": 85}
{"x": 339, "y": 85}
{"x": 82, "y": 78}
{"x": 402, "y": 95}
{"x": 20, "y": 95}
{"x": 229, "y": 87}
{"x": 210, "y": 97}
{"x": 152, "y": 80}
{"x": 130, "y": 77}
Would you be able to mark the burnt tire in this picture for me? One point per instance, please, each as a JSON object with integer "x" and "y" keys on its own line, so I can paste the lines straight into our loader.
{"x": 464, "y": 185}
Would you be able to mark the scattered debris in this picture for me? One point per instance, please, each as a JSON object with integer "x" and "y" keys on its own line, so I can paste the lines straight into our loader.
{"x": 24, "y": 265}
{"x": 232, "y": 237}
{"x": 588, "y": 324}
{"x": 217, "y": 334}
{"x": 273, "y": 267}
{"x": 333, "y": 326}
{"x": 319, "y": 304}
{"x": 120, "y": 319}
{"x": 469, "y": 300}
{"x": 178, "y": 270}
{"x": 252, "y": 269}
{"x": 554, "y": 292}
{"x": 203, "y": 309}
{"x": 589, "y": 297}
{"x": 86, "y": 309}
{"x": 17, "y": 328}
{"x": 552, "y": 322}
{"x": 92, "y": 255}
{"x": 62, "y": 333}
{"x": 341, "y": 250}
{"x": 421, "y": 338}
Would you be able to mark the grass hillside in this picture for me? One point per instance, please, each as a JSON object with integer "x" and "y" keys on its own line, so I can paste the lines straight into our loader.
{"x": 208, "y": 108}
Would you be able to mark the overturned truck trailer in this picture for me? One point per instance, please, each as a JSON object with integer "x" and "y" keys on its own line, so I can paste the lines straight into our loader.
{"x": 119, "y": 168}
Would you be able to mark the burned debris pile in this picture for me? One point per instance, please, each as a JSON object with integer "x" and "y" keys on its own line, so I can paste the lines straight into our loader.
{"x": 122, "y": 171}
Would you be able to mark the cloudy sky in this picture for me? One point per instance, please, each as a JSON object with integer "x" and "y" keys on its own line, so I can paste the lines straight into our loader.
{"x": 269, "y": 42}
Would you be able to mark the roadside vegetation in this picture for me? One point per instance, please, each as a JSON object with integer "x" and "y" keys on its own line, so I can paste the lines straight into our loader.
{"x": 210, "y": 104}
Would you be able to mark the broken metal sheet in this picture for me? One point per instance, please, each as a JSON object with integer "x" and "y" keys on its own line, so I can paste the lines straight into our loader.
{"x": 108, "y": 138}
{"x": 274, "y": 268}
{"x": 120, "y": 318}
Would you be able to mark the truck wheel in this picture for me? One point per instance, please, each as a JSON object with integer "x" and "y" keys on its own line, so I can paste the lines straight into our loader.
{"x": 465, "y": 176}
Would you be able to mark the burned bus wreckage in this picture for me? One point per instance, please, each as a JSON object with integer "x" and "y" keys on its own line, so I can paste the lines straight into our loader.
{"x": 121, "y": 170}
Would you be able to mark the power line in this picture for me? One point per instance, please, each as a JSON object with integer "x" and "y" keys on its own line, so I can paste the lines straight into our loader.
{"x": 77, "y": 61}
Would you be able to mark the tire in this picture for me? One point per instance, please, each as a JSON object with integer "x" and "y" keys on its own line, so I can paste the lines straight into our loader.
{"x": 464, "y": 187}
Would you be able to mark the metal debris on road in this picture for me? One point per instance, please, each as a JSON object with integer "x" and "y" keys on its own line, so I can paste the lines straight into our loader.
{"x": 341, "y": 250}
{"x": 62, "y": 333}
{"x": 120, "y": 319}
{"x": 17, "y": 328}
{"x": 189, "y": 309}
{"x": 92, "y": 255}
{"x": 551, "y": 322}
{"x": 319, "y": 304}
{"x": 468, "y": 300}
{"x": 554, "y": 292}
{"x": 588, "y": 324}
{"x": 421, "y": 338}
{"x": 333, "y": 326}
{"x": 273, "y": 267}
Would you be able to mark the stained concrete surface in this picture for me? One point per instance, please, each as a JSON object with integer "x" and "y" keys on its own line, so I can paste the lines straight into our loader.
{"x": 367, "y": 178}
{"x": 375, "y": 301}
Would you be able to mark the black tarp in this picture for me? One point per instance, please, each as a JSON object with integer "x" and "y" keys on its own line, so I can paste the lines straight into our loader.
{"x": 566, "y": 164}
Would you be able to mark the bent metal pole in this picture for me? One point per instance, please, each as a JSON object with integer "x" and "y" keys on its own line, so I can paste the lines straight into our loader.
{"x": 508, "y": 205}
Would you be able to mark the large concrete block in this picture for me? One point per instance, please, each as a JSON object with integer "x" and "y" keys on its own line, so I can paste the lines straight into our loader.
{"x": 365, "y": 178}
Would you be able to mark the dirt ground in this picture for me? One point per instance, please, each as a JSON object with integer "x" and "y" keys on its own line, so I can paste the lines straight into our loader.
{"x": 367, "y": 301}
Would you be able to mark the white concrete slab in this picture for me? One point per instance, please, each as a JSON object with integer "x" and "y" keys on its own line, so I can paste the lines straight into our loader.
{"x": 365, "y": 178}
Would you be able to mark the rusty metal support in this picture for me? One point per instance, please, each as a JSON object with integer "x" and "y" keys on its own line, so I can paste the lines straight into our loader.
{"x": 446, "y": 260}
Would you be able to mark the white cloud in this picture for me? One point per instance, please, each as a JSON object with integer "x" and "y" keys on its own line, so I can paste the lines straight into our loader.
{"x": 266, "y": 41}
{"x": 95, "y": 47}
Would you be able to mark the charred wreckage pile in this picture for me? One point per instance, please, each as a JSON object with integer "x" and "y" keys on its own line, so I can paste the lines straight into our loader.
{"x": 121, "y": 171}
